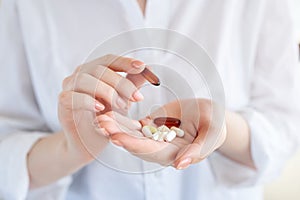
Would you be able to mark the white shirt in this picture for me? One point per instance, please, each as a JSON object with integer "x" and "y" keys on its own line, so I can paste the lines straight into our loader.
{"x": 251, "y": 43}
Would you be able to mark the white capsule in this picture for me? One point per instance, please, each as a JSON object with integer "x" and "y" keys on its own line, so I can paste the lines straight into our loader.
{"x": 156, "y": 135}
{"x": 146, "y": 131}
{"x": 162, "y": 136}
{"x": 170, "y": 136}
{"x": 179, "y": 132}
{"x": 163, "y": 128}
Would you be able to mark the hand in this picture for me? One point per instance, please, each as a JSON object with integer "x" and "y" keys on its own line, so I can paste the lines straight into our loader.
{"x": 93, "y": 89}
{"x": 203, "y": 135}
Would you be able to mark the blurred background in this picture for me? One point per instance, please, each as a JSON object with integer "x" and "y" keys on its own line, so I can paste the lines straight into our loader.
{"x": 287, "y": 186}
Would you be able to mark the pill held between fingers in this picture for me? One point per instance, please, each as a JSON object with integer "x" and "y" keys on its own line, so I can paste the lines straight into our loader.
{"x": 167, "y": 121}
{"x": 146, "y": 131}
{"x": 179, "y": 132}
{"x": 170, "y": 136}
{"x": 149, "y": 76}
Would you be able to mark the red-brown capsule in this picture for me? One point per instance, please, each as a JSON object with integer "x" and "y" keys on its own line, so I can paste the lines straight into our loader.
{"x": 167, "y": 121}
{"x": 149, "y": 76}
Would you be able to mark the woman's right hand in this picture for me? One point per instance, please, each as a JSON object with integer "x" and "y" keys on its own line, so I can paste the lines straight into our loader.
{"x": 96, "y": 88}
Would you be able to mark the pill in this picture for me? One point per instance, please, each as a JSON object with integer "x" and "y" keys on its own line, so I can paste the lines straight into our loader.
{"x": 179, "y": 132}
{"x": 163, "y": 128}
{"x": 170, "y": 136}
{"x": 146, "y": 130}
{"x": 167, "y": 121}
{"x": 152, "y": 129}
{"x": 156, "y": 135}
{"x": 162, "y": 136}
{"x": 149, "y": 76}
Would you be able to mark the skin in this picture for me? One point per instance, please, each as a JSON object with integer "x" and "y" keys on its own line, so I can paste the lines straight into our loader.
{"x": 88, "y": 123}
{"x": 195, "y": 146}
{"x": 93, "y": 89}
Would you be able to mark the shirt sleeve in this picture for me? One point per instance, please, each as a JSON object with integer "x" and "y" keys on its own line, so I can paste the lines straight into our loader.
{"x": 273, "y": 111}
{"x": 21, "y": 123}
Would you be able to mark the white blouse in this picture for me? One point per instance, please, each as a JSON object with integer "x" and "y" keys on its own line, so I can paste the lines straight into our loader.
{"x": 251, "y": 43}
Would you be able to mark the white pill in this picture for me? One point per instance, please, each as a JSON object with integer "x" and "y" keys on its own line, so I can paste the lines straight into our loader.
{"x": 179, "y": 132}
{"x": 170, "y": 136}
{"x": 156, "y": 135}
{"x": 163, "y": 128}
{"x": 146, "y": 131}
{"x": 162, "y": 136}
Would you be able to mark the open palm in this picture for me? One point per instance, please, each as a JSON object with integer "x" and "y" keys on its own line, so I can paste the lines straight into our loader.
{"x": 202, "y": 133}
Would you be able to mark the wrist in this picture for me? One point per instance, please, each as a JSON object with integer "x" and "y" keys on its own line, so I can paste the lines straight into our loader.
{"x": 75, "y": 154}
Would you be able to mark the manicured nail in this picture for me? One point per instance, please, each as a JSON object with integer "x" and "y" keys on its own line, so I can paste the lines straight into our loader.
{"x": 184, "y": 163}
{"x": 116, "y": 142}
{"x": 137, "y": 124}
{"x": 103, "y": 131}
{"x": 137, "y": 64}
{"x": 121, "y": 103}
{"x": 137, "y": 95}
{"x": 99, "y": 107}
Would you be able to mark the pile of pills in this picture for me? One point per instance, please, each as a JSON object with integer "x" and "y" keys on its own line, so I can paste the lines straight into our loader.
{"x": 167, "y": 129}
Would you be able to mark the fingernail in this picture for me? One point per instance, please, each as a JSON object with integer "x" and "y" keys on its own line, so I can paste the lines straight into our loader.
{"x": 137, "y": 64}
{"x": 116, "y": 142}
{"x": 99, "y": 107}
{"x": 184, "y": 163}
{"x": 103, "y": 131}
{"x": 121, "y": 103}
{"x": 137, "y": 95}
{"x": 137, "y": 124}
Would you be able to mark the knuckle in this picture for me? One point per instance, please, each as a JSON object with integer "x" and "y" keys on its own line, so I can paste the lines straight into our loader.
{"x": 79, "y": 81}
{"x": 108, "y": 58}
{"x": 100, "y": 71}
{"x": 66, "y": 81}
{"x": 86, "y": 101}
{"x": 65, "y": 97}
{"x": 111, "y": 93}
{"x": 78, "y": 69}
{"x": 126, "y": 85}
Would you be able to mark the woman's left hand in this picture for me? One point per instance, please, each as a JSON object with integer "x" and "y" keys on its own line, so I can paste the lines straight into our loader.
{"x": 203, "y": 135}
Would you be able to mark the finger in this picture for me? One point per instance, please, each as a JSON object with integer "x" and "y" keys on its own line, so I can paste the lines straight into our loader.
{"x": 71, "y": 100}
{"x": 137, "y": 79}
{"x": 189, "y": 155}
{"x": 146, "y": 121}
{"x": 147, "y": 149}
{"x": 85, "y": 83}
{"x": 121, "y": 84}
{"x": 119, "y": 63}
{"x": 124, "y": 120}
{"x": 128, "y": 123}
{"x": 112, "y": 127}
{"x": 192, "y": 153}
{"x": 142, "y": 145}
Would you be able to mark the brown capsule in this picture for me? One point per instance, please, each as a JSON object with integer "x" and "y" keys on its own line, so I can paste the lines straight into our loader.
{"x": 167, "y": 121}
{"x": 149, "y": 76}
